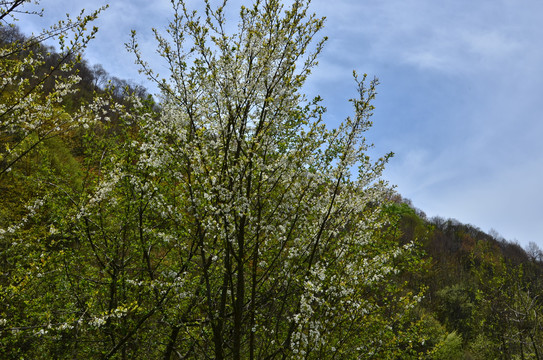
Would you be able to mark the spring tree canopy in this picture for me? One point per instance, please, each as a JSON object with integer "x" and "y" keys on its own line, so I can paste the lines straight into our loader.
{"x": 231, "y": 223}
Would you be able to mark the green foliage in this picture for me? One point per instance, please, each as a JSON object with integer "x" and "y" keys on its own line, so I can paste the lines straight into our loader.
{"x": 483, "y": 348}
{"x": 450, "y": 348}
{"x": 456, "y": 308}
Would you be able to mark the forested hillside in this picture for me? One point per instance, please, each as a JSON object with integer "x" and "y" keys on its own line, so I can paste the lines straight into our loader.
{"x": 224, "y": 219}
{"x": 483, "y": 289}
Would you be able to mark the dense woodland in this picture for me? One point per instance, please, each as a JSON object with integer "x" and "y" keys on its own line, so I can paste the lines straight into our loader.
{"x": 223, "y": 220}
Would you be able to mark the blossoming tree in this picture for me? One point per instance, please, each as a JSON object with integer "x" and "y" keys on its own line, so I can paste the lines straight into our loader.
{"x": 34, "y": 87}
{"x": 284, "y": 250}
{"x": 32, "y": 90}
{"x": 233, "y": 223}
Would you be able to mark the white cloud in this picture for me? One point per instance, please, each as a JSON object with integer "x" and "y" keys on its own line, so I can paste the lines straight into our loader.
{"x": 448, "y": 36}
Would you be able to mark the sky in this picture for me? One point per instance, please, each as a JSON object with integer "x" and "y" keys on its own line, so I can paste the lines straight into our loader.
{"x": 459, "y": 101}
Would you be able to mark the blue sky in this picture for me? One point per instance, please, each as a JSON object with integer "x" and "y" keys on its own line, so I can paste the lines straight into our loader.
{"x": 460, "y": 100}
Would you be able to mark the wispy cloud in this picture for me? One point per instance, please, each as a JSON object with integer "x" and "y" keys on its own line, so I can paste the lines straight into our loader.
{"x": 446, "y": 35}
{"x": 460, "y": 102}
